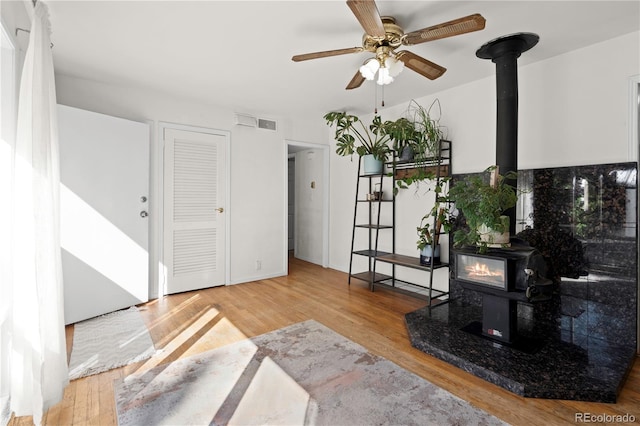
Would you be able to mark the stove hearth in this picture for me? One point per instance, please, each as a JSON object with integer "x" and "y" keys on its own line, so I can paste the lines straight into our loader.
{"x": 577, "y": 342}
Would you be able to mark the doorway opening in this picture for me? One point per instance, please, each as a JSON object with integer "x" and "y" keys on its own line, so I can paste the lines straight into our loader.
{"x": 307, "y": 198}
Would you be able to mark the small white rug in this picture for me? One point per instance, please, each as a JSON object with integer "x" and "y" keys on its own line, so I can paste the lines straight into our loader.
{"x": 109, "y": 341}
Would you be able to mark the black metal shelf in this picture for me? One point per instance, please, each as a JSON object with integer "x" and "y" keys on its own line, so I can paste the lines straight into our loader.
{"x": 370, "y": 277}
{"x": 373, "y": 198}
{"x": 440, "y": 166}
{"x": 410, "y": 289}
{"x": 374, "y": 226}
{"x": 371, "y": 175}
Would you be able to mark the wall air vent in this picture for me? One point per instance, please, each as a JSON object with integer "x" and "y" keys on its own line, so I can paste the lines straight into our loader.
{"x": 263, "y": 123}
{"x": 245, "y": 120}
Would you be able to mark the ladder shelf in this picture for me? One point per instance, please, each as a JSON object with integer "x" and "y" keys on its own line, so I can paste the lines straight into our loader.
{"x": 440, "y": 166}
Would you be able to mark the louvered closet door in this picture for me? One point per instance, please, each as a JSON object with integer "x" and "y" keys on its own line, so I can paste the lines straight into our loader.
{"x": 194, "y": 213}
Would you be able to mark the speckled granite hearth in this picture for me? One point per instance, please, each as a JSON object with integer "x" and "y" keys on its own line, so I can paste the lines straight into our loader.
{"x": 581, "y": 344}
{"x": 566, "y": 366}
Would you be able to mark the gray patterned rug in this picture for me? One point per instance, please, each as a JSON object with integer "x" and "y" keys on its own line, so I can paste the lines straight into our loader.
{"x": 301, "y": 374}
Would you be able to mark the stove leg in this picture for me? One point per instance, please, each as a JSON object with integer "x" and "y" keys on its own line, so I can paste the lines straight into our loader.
{"x": 499, "y": 318}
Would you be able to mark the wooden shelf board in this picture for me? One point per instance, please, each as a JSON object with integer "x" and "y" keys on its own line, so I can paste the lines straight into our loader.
{"x": 366, "y": 276}
{"x": 408, "y": 261}
{"x": 412, "y": 171}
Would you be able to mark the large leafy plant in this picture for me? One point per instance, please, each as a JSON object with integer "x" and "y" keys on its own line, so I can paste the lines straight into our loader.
{"x": 483, "y": 199}
{"x": 353, "y": 136}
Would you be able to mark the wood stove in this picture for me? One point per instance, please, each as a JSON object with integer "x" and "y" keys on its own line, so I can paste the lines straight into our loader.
{"x": 503, "y": 277}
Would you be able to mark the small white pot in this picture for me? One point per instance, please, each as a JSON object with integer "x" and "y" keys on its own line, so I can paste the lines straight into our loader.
{"x": 494, "y": 238}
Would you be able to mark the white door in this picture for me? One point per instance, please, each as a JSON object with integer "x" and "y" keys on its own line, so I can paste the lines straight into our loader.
{"x": 194, "y": 211}
{"x": 104, "y": 174}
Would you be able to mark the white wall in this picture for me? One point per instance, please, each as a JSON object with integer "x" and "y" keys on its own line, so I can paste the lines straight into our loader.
{"x": 257, "y": 211}
{"x": 572, "y": 110}
{"x": 14, "y": 15}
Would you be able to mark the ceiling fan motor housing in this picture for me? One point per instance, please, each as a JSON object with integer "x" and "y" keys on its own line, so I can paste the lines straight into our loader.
{"x": 393, "y": 36}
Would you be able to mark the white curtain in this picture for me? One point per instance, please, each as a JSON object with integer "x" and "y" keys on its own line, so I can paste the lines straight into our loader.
{"x": 33, "y": 350}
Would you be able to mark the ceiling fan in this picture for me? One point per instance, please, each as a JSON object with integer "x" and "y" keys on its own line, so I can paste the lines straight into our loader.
{"x": 383, "y": 36}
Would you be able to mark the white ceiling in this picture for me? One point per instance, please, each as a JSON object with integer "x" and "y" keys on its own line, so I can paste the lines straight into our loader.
{"x": 237, "y": 54}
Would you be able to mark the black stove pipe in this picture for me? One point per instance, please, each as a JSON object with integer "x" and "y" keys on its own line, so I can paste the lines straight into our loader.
{"x": 504, "y": 52}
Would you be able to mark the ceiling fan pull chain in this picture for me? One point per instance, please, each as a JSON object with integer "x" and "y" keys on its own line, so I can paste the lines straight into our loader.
{"x": 382, "y": 104}
{"x": 375, "y": 102}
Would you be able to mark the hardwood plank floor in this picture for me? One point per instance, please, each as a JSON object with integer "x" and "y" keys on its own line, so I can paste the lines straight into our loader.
{"x": 189, "y": 323}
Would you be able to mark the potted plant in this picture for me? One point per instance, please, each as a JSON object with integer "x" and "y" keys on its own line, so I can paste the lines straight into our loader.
{"x": 429, "y": 130}
{"x": 404, "y": 135}
{"x": 429, "y": 238}
{"x": 352, "y": 135}
{"x": 418, "y": 132}
{"x": 482, "y": 200}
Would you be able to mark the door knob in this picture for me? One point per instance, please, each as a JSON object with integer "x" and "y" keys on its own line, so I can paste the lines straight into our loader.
{"x": 144, "y": 214}
{"x": 220, "y": 210}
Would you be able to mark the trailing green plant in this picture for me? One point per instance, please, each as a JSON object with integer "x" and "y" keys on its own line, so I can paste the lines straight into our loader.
{"x": 482, "y": 204}
{"x": 353, "y": 136}
{"x": 439, "y": 215}
{"x": 428, "y": 236}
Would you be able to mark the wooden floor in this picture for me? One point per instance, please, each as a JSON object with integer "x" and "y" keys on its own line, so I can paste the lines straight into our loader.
{"x": 189, "y": 323}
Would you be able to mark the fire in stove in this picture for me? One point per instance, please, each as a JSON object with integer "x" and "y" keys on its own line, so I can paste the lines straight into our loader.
{"x": 520, "y": 268}
{"x": 482, "y": 270}
{"x": 488, "y": 271}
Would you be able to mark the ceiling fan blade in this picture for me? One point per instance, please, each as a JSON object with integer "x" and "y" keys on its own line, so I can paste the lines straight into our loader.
{"x": 420, "y": 65}
{"x": 367, "y": 14}
{"x": 456, "y": 27}
{"x": 326, "y": 53}
{"x": 356, "y": 81}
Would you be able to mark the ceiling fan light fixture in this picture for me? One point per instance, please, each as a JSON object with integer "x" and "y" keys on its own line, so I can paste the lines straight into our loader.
{"x": 382, "y": 70}
{"x": 370, "y": 68}
{"x": 384, "y": 77}
{"x": 395, "y": 66}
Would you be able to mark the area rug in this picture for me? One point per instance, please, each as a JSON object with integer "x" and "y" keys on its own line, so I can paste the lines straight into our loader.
{"x": 301, "y": 374}
{"x": 109, "y": 341}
